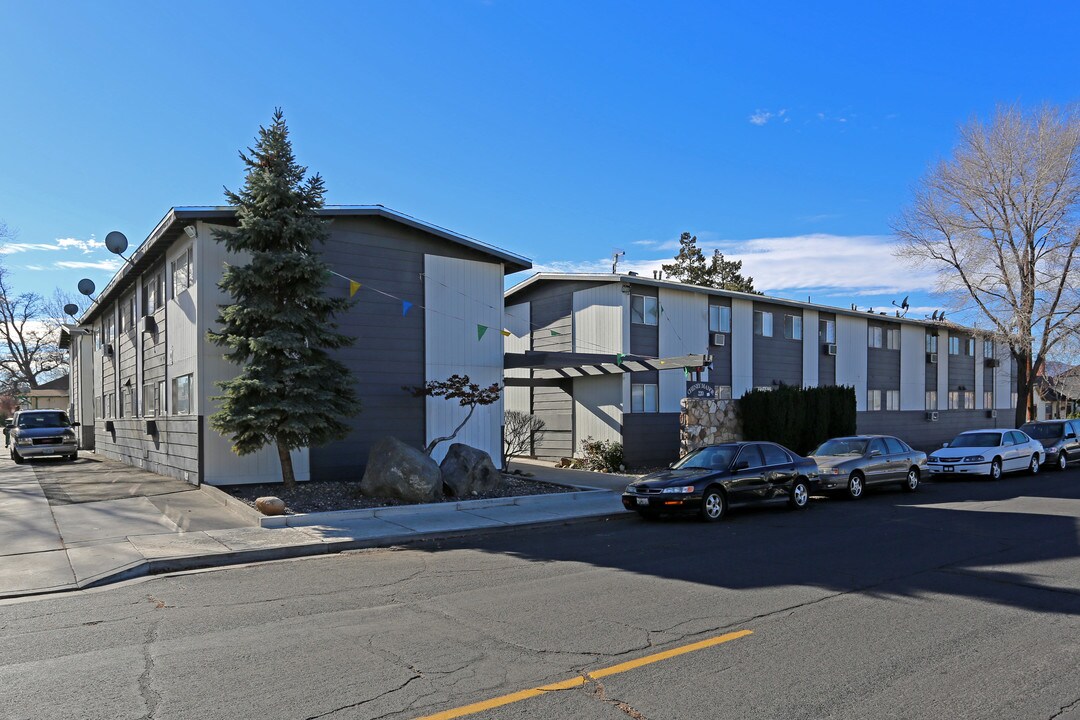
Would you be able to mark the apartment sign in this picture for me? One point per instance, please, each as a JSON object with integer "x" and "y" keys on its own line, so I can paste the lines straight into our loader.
{"x": 700, "y": 390}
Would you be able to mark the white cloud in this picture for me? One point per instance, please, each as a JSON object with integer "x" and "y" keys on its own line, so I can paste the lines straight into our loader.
{"x": 35, "y": 267}
{"x": 98, "y": 265}
{"x": 11, "y": 248}
{"x": 87, "y": 246}
{"x": 760, "y": 117}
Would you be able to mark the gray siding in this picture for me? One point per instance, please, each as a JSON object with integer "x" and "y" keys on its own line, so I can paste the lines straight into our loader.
{"x": 913, "y": 427}
{"x": 644, "y": 339}
{"x": 128, "y": 359}
{"x": 552, "y": 308}
{"x": 555, "y": 406}
{"x": 721, "y": 365}
{"x": 931, "y": 368}
{"x": 154, "y": 351}
{"x": 962, "y": 366}
{"x": 777, "y": 358}
{"x": 174, "y": 451}
{"x": 650, "y": 440}
{"x": 882, "y": 364}
{"x": 826, "y": 363}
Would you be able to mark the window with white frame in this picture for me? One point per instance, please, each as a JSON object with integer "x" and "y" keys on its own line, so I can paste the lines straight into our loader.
{"x": 153, "y": 293}
{"x": 931, "y": 343}
{"x": 954, "y": 345}
{"x": 827, "y": 331}
{"x": 159, "y": 397}
{"x": 954, "y": 399}
{"x": 892, "y": 339}
{"x": 149, "y": 401}
{"x": 793, "y": 327}
{"x": 873, "y": 400}
{"x": 183, "y": 271}
{"x": 643, "y": 398}
{"x": 971, "y": 347}
{"x": 988, "y": 348}
{"x": 644, "y": 310}
{"x": 1012, "y": 400}
{"x": 763, "y": 323}
{"x": 892, "y": 399}
{"x": 719, "y": 319}
{"x": 931, "y": 399}
{"x": 969, "y": 400}
{"x": 988, "y": 399}
{"x": 873, "y": 337}
{"x": 181, "y": 395}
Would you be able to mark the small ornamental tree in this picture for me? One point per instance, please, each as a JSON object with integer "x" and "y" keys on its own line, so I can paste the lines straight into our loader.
{"x": 279, "y": 327}
{"x": 520, "y": 432}
{"x": 460, "y": 388}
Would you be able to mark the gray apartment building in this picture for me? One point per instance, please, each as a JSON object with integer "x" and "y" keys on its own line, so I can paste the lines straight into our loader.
{"x": 144, "y": 374}
{"x": 920, "y": 380}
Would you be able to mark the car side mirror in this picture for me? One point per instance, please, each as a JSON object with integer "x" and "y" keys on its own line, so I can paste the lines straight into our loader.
{"x": 944, "y": 444}
{"x": 742, "y": 464}
{"x": 1070, "y": 436}
{"x": 875, "y": 453}
{"x": 75, "y": 424}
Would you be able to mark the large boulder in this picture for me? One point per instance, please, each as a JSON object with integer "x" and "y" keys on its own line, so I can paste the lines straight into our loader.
{"x": 397, "y": 470}
{"x": 466, "y": 470}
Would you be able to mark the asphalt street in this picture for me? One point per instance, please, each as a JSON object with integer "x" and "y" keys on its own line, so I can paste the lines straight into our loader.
{"x": 960, "y": 601}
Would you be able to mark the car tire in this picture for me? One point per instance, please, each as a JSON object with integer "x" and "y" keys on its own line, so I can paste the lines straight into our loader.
{"x": 995, "y": 469}
{"x": 19, "y": 460}
{"x": 1034, "y": 465}
{"x": 799, "y": 497}
{"x": 73, "y": 456}
{"x": 713, "y": 505}
{"x": 856, "y": 486}
{"x": 911, "y": 481}
{"x": 1062, "y": 460}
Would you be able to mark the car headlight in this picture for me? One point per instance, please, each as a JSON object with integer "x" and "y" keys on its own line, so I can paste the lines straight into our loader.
{"x": 682, "y": 490}
{"x": 974, "y": 458}
{"x": 24, "y": 441}
{"x": 933, "y": 458}
{"x": 69, "y": 434}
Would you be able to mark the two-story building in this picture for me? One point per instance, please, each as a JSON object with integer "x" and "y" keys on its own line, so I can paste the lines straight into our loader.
{"x": 920, "y": 380}
{"x": 144, "y": 375}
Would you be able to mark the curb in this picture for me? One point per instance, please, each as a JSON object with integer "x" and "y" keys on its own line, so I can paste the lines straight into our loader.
{"x": 239, "y": 507}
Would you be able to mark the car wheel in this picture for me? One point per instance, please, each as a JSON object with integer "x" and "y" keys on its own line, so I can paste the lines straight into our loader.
{"x": 1062, "y": 460}
{"x": 19, "y": 460}
{"x": 73, "y": 456}
{"x": 800, "y": 495}
{"x": 713, "y": 505}
{"x": 1033, "y": 466}
{"x": 911, "y": 482}
{"x": 995, "y": 469}
{"x": 855, "y": 486}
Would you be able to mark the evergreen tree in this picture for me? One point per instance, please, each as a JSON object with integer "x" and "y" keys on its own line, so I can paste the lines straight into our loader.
{"x": 691, "y": 267}
{"x": 279, "y": 327}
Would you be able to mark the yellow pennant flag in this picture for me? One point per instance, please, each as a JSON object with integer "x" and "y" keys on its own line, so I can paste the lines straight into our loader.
{"x": 353, "y": 287}
{"x": 505, "y": 332}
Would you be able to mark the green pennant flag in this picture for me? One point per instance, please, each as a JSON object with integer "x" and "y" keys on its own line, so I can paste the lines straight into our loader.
{"x": 686, "y": 373}
{"x": 619, "y": 357}
{"x": 553, "y": 333}
{"x": 480, "y": 330}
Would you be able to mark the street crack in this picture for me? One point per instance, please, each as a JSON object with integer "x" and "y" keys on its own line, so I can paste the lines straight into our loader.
{"x": 1065, "y": 708}
{"x": 400, "y": 687}
{"x": 596, "y": 689}
{"x": 150, "y": 696}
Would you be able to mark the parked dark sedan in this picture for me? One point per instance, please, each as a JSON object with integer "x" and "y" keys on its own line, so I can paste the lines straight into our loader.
{"x": 1059, "y": 437}
{"x": 853, "y": 464}
{"x": 711, "y": 479}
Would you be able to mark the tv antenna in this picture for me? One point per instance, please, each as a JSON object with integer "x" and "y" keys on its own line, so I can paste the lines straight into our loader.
{"x": 615, "y": 260}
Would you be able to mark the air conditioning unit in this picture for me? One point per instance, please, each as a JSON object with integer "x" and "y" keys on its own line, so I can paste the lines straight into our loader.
{"x": 147, "y": 324}
{"x": 719, "y": 339}
{"x": 931, "y": 358}
{"x": 932, "y": 416}
{"x": 992, "y": 362}
{"x": 108, "y": 349}
{"x": 991, "y": 413}
{"x": 830, "y": 349}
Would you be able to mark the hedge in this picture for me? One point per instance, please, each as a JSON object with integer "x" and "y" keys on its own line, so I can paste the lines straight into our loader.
{"x": 798, "y": 418}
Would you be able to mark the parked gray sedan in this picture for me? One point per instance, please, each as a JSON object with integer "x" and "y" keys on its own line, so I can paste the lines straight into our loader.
{"x": 852, "y": 464}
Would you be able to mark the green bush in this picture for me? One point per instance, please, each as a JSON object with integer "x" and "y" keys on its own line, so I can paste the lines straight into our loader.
{"x": 602, "y": 455}
{"x": 798, "y": 418}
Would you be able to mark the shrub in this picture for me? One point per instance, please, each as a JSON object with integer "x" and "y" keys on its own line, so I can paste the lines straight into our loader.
{"x": 798, "y": 418}
{"x": 602, "y": 455}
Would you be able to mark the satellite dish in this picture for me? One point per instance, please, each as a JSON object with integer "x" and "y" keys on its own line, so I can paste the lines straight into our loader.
{"x": 116, "y": 242}
{"x": 904, "y": 303}
{"x": 71, "y": 308}
{"x": 86, "y": 286}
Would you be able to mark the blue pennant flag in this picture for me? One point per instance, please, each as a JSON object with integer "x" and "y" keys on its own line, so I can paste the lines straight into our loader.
{"x": 405, "y": 305}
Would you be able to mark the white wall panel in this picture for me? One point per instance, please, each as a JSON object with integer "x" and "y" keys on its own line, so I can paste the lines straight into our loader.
{"x": 516, "y": 320}
{"x": 742, "y": 347}
{"x": 598, "y": 320}
{"x": 683, "y": 330}
{"x": 811, "y": 348}
{"x": 461, "y": 294}
{"x": 912, "y": 367}
{"x": 943, "y": 370}
{"x": 851, "y": 355}
{"x": 598, "y": 408}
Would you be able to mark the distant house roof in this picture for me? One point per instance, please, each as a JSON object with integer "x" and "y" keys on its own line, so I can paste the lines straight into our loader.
{"x": 172, "y": 226}
{"x": 62, "y": 383}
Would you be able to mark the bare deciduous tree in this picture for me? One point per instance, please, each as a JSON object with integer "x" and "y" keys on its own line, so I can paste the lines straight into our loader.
{"x": 30, "y": 333}
{"x": 1000, "y": 222}
{"x": 520, "y": 431}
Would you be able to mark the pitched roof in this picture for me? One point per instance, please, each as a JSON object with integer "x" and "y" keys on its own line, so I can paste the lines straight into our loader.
{"x": 62, "y": 383}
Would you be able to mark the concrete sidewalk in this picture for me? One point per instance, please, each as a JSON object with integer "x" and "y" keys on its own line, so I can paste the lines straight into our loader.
{"x": 62, "y": 530}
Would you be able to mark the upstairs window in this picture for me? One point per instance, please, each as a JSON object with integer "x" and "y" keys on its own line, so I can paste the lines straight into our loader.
{"x": 763, "y": 323}
{"x": 892, "y": 339}
{"x": 793, "y": 327}
{"x": 954, "y": 345}
{"x": 827, "y": 331}
{"x": 719, "y": 319}
{"x": 874, "y": 334}
{"x": 183, "y": 271}
{"x": 988, "y": 348}
{"x": 931, "y": 343}
{"x": 644, "y": 310}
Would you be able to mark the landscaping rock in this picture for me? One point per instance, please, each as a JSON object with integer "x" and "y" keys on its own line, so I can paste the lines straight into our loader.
{"x": 270, "y": 505}
{"x": 397, "y": 470}
{"x": 468, "y": 471}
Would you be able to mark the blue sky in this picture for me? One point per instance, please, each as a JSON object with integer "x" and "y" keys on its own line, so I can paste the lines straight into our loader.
{"x": 786, "y": 134}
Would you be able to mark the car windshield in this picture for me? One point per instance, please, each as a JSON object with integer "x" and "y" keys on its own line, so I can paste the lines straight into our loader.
{"x": 1044, "y": 431}
{"x": 976, "y": 440}
{"x": 43, "y": 420}
{"x": 842, "y": 446}
{"x": 707, "y": 458}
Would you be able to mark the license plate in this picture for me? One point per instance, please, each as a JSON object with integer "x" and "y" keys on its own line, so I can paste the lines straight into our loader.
{"x": 948, "y": 468}
{"x": 47, "y": 451}
{"x": 642, "y": 501}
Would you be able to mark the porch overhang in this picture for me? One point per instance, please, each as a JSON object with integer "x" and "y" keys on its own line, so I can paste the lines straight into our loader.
{"x": 548, "y": 368}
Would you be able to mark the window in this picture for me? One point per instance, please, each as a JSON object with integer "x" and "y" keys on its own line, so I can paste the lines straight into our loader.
{"x": 931, "y": 343}
{"x": 181, "y": 395}
{"x": 149, "y": 400}
{"x": 774, "y": 455}
{"x": 719, "y": 318}
{"x": 97, "y": 407}
{"x": 723, "y": 392}
{"x": 1012, "y": 400}
{"x": 127, "y": 314}
{"x": 643, "y": 310}
{"x": 892, "y": 399}
{"x": 894, "y": 446}
{"x": 108, "y": 405}
{"x": 988, "y": 348}
{"x": 793, "y": 327}
{"x": 763, "y": 323}
{"x": 643, "y": 398}
{"x": 988, "y": 399}
{"x": 873, "y": 400}
{"x": 971, "y": 347}
{"x": 159, "y": 398}
{"x": 153, "y": 293}
{"x": 750, "y": 455}
{"x": 183, "y": 271}
{"x": 873, "y": 338}
{"x": 877, "y": 446}
{"x": 827, "y": 331}
{"x": 108, "y": 329}
{"x": 931, "y": 400}
{"x": 125, "y": 402}
{"x": 954, "y": 399}
{"x": 954, "y": 345}
{"x": 892, "y": 339}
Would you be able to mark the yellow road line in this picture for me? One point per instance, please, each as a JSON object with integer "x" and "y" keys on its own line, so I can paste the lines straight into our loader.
{"x": 580, "y": 680}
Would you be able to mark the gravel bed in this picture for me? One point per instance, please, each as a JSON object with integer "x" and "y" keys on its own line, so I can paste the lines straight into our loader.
{"x": 327, "y": 495}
